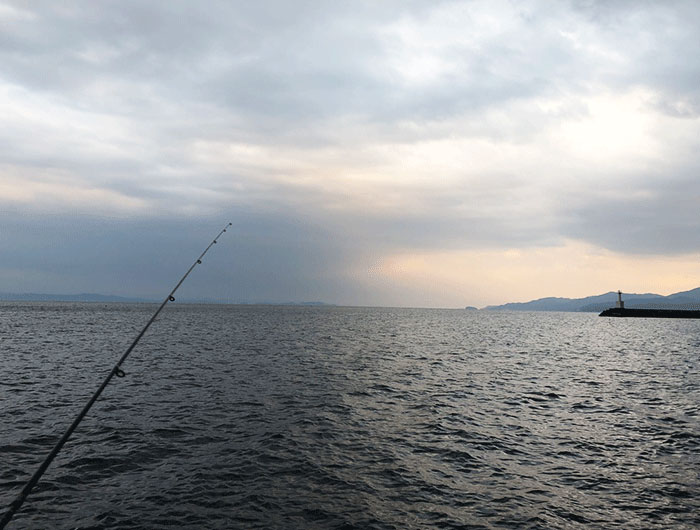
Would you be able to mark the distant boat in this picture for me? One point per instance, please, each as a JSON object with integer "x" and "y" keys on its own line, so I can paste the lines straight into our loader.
{"x": 620, "y": 311}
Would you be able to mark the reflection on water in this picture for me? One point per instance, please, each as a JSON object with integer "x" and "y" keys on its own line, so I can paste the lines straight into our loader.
{"x": 298, "y": 417}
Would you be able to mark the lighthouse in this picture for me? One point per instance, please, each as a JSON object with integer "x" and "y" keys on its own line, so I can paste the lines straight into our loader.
{"x": 620, "y": 304}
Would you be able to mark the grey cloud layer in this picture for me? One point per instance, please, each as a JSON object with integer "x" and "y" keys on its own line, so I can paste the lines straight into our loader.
{"x": 126, "y": 96}
{"x": 282, "y": 62}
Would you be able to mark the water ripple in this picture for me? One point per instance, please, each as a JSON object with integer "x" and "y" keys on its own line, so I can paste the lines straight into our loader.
{"x": 284, "y": 417}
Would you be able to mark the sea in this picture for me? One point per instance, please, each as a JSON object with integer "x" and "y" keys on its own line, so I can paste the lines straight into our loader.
{"x": 287, "y": 417}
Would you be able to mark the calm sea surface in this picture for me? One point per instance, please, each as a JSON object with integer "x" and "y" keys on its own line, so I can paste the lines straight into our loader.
{"x": 299, "y": 417}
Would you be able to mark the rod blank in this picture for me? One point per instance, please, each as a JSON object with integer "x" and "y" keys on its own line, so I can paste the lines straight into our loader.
{"x": 116, "y": 370}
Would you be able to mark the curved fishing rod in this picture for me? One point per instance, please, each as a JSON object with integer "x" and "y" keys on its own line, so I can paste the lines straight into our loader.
{"x": 17, "y": 503}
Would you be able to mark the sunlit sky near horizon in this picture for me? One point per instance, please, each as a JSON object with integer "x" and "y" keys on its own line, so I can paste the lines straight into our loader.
{"x": 429, "y": 154}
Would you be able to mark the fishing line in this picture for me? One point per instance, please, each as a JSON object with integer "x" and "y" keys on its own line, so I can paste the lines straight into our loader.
{"x": 117, "y": 370}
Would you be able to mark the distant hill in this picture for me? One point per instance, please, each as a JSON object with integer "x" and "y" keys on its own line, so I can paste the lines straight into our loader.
{"x": 92, "y": 297}
{"x": 82, "y": 297}
{"x": 683, "y": 300}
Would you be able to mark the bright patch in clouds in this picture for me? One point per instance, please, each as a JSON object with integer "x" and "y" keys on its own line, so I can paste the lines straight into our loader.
{"x": 525, "y": 274}
{"x": 617, "y": 129}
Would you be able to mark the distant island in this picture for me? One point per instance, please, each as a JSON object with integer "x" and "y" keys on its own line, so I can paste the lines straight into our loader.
{"x": 597, "y": 303}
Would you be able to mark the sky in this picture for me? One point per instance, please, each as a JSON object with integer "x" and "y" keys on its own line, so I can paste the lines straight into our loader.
{"x": 395, "y": 153}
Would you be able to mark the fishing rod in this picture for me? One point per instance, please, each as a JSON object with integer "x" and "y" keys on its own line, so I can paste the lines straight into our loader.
{"x": 117, "y": 370}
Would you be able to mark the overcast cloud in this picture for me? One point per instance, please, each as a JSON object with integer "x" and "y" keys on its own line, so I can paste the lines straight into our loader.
{"x": 338, "y": 136}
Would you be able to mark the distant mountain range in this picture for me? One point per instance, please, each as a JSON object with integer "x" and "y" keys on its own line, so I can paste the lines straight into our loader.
{"x": 683, "y": 300}
{"x": 82, "y": 297}
{"x": 92, "y": 297}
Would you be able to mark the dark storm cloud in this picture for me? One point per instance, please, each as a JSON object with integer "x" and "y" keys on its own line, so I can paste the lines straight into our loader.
{"x": 261, "y": 258}
{"x": 652, "y": 220}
